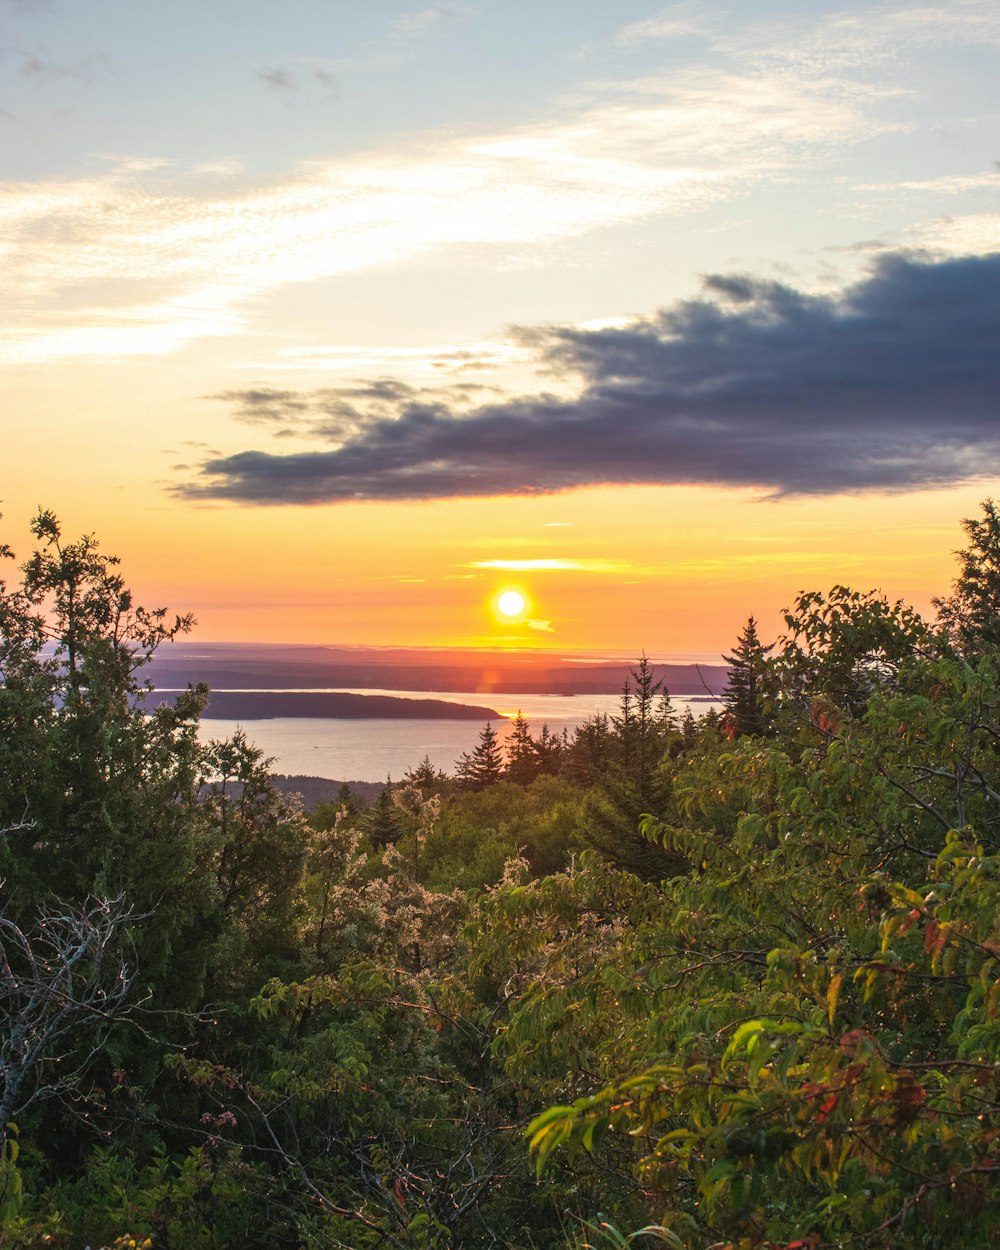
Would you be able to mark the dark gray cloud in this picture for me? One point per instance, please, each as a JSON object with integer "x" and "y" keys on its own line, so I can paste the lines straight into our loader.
{"x": 892, "y": 384}
{"x": 262, "y": 405}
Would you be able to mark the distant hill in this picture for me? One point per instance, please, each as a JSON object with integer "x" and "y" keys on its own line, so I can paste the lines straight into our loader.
{"x": 236, "y": 667}
{"x": 322, "y": 790}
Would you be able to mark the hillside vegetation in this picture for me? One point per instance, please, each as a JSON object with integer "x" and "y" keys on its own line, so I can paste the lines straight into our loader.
{"x": 732, "y": 983}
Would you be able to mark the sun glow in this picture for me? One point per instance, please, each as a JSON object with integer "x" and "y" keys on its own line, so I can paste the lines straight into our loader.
{"x": 511, "y": 604}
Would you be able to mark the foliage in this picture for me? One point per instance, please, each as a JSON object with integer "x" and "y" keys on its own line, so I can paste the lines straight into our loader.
{"x": 827, "y": 985}
{"x": 694, "y": 986}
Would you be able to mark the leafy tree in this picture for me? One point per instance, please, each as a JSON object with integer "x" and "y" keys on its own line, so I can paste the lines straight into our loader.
{"x": 101, "y": 794}
{"x": 744, "y": 693}
{"x": 259, "y": 838}
{"x": 845, "y": 646}
{"x": 821, "y": 1052}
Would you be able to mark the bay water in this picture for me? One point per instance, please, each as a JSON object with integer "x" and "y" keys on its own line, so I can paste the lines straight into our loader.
{"x": 371, "y": 750}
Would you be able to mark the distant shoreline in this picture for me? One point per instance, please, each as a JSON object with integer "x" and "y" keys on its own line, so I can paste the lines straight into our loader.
{"x": 323, "y": 705}
{"x": 276, "y": 669}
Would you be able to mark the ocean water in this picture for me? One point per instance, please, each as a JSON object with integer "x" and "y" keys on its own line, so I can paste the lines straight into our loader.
{"x": 371, "y": 750}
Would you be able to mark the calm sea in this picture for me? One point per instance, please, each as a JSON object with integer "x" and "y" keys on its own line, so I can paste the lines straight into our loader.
{"x": 371, "y": 750}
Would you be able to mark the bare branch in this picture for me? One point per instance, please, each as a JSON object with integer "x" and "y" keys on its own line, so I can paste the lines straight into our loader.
{"x": 63, "y": 985}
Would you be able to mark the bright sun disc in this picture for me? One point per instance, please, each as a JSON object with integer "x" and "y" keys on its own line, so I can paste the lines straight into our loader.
{"x": 510, "y": 603}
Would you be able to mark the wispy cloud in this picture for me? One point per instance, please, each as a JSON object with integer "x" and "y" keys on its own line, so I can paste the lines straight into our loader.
{"x": 429, "y": 358}
{"x": 418, "y": 23}
{"x": 889, "y": 385}
{"x": 339, "y": 413}
{"x": 117, "y": 264}
{"x": 551, "y": 566}
{"x": 679, "y": 21}
{"x": 840, "y": 39}
{"x": 302, "y": 75}
{"x": 402, "y": 39}
{"x": 86, "y": 69}
{"x": 195, "y": 264}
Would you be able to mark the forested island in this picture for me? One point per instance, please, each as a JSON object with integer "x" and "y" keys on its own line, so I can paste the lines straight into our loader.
{"x": 727, "y": 983}
{"x": 340, "y": 705}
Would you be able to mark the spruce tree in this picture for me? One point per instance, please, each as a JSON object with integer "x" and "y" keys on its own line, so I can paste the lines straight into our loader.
{"x": 589, "y": 756}
{"x": 484, "y": 767}
{"x": 743, "y": 695}
{"x": 522, "y": 759}
{"x": 383, "y": 823}
{"x": 549, "y": 750}
{"x": 635, "y": 784}
{"x": 971, "y": 613}
{"x": 427, "y": 779}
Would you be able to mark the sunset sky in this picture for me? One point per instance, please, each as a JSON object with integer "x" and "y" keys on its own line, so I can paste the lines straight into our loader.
{"x": 335, "y": 320}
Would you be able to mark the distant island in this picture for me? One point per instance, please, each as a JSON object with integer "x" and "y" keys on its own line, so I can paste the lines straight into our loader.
{"x": 268, "y": 704}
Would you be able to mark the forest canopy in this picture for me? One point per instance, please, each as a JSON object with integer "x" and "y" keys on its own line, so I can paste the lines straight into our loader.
{"x": 728, "y": 983}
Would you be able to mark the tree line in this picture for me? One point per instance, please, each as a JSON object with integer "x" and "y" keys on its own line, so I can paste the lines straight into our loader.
{"x": 732, "y": 982}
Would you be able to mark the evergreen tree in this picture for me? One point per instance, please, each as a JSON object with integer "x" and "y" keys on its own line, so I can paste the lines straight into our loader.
{"x": 743, "y": 695}
{"x": 101, "y": 794}
{"x": 644, "y": 727}
{"x": 589, "y": 755}
{"x": 523, "y": 764}
{"x": 971, "y": 613}
{"x": 635, "y": 784}
{"x": 549, "y": 749}
{"x": 383, "y": 822}
{"x": 484, "y": 767}
{"x": 428, "y": 779}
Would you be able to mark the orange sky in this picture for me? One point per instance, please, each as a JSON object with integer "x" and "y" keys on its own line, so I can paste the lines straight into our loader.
{"x": 673, "y": 571}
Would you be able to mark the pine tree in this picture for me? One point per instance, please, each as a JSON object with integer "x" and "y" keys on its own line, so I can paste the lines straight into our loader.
{"x": 743, "y": 695}
{"x": 428, "y": 779}
{"x": 549, "y": 749}
{"x": 644, "y": 727}
{"x": 523, "y": 764}
{"x": 346, "y": 800}
{"x": 383, "y": 823}
{"x": 971, "y": 613}
{"x": 484, "y": 767}
{"x": 635, "y": 784}
{"x": 589, "y": 756}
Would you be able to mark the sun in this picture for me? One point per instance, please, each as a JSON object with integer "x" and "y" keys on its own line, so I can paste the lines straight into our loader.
{"x": 511, "y": 604}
